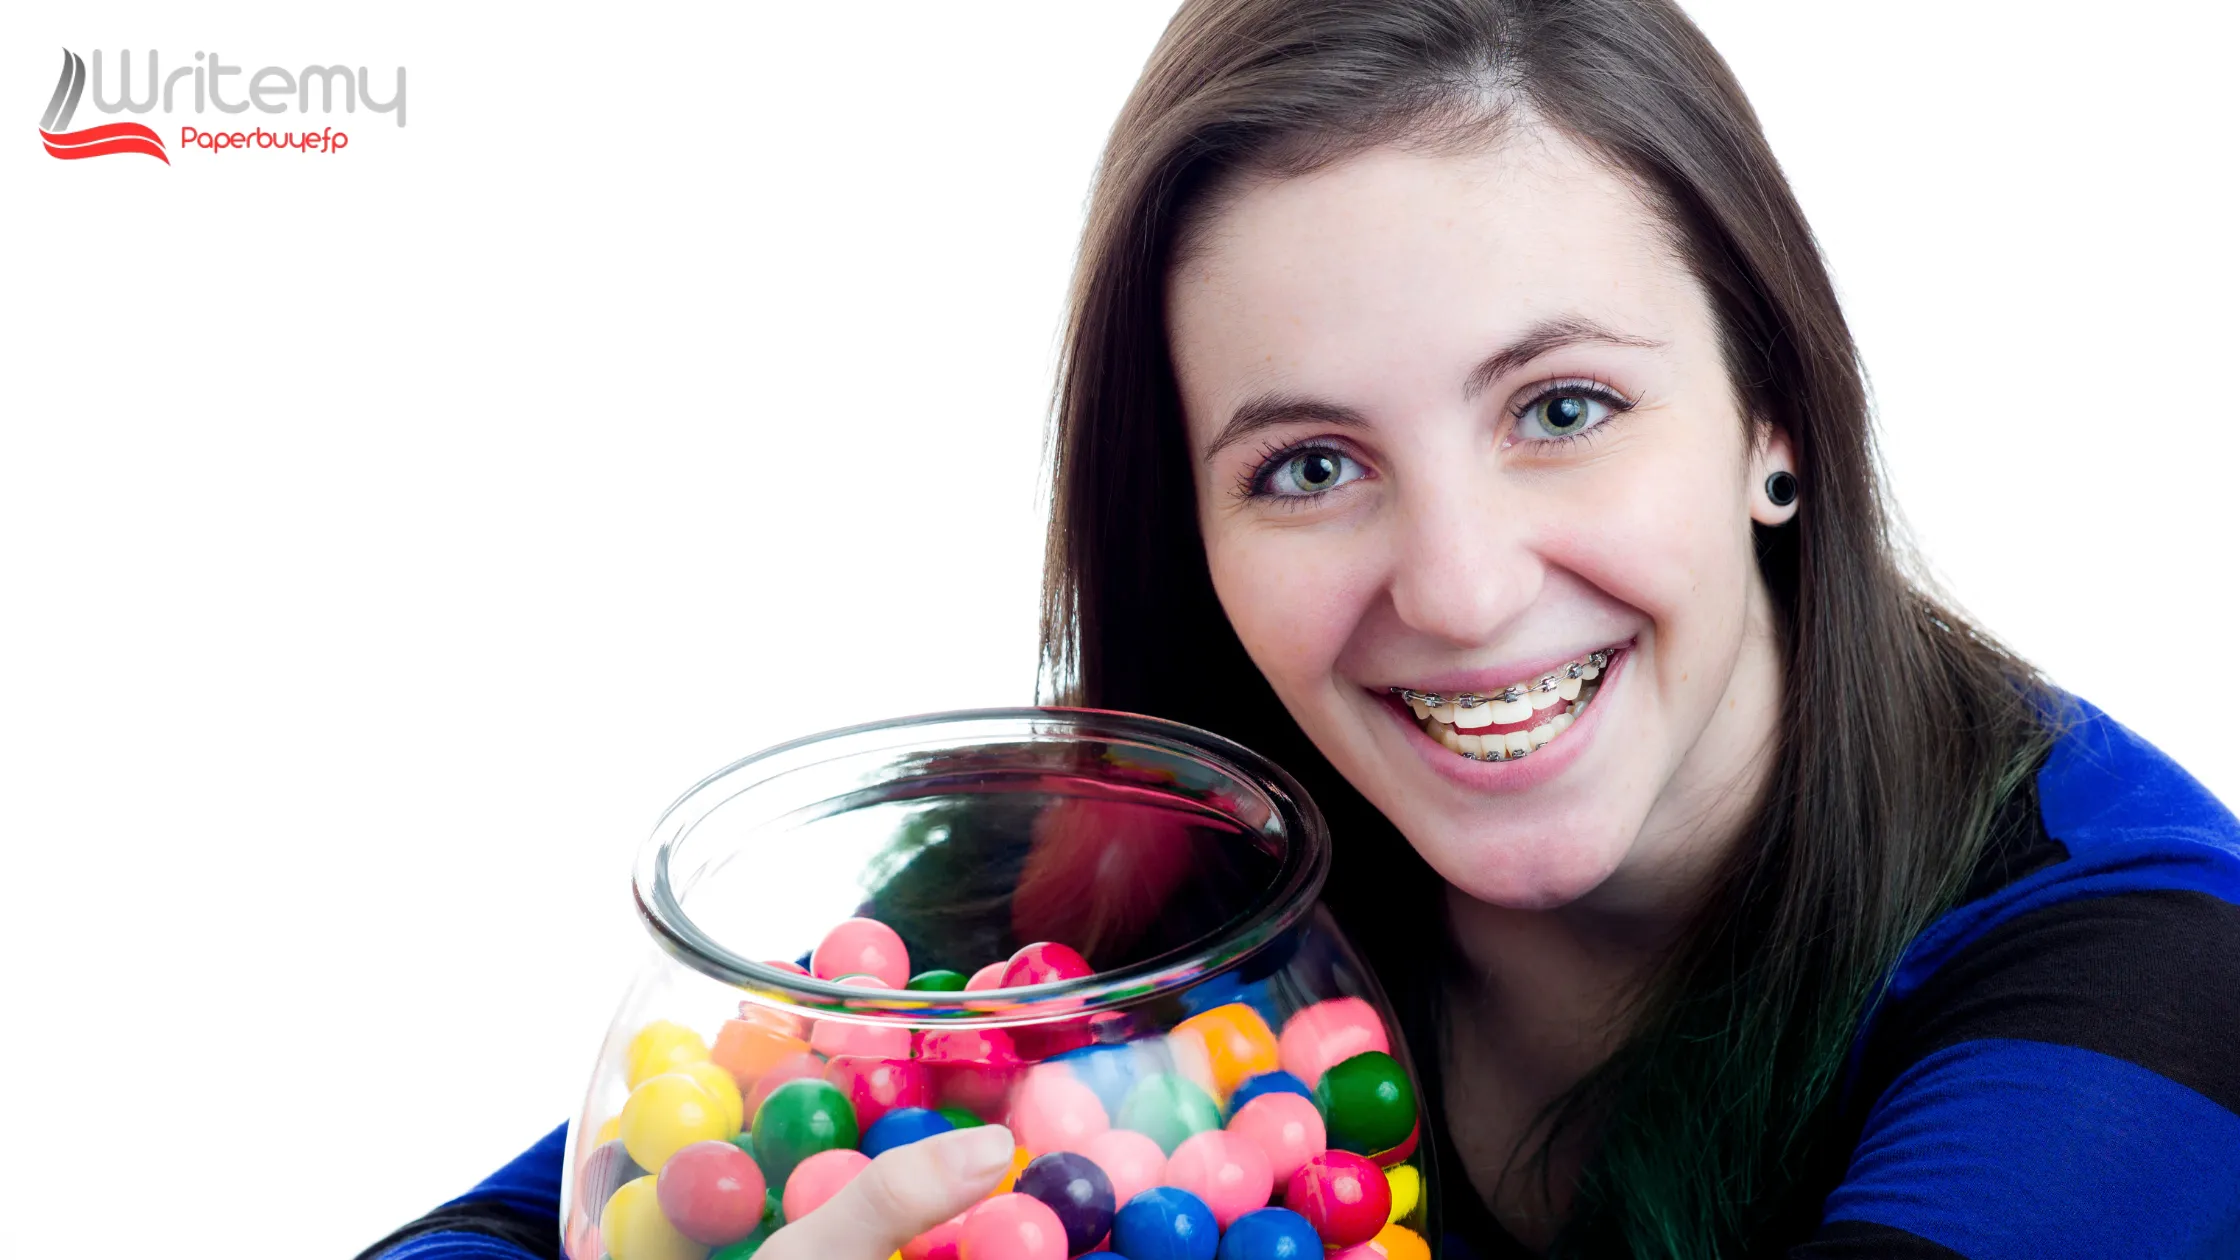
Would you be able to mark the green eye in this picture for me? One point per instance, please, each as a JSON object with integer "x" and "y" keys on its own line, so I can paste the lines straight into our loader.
{"x": 1566, "y": 411}
{"x": 1304, "y": 474}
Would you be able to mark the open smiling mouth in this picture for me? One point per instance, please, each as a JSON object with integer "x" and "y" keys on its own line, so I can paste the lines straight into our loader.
{"x": 1516, "y": 720}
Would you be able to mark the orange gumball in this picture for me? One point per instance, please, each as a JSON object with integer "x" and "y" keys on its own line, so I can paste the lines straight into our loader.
{"x": 749, "y": 1048}
{"x": 1398, "y": 1242}
{"x": 1238, "y": 1044}
{"x": 1019, "y": 1161}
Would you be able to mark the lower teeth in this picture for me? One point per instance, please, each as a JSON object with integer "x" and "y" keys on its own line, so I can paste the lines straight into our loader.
{"x": 1505, "y": 753}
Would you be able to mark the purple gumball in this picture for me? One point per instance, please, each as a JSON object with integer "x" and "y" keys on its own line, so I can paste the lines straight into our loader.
{"x": 1077, "y": 1190}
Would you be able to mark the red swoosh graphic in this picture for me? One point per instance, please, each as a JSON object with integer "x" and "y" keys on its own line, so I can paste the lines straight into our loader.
{"x": 124, "y": 137}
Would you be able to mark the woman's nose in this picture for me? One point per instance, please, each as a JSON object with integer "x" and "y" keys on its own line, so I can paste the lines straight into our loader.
{"x": 1464, "y": 567}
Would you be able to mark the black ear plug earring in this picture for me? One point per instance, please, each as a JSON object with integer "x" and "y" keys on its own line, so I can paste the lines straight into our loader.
{"x": 1781, "y": 487}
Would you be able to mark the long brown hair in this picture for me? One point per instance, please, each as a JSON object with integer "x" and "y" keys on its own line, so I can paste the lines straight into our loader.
{"x": 1901, "y": 727}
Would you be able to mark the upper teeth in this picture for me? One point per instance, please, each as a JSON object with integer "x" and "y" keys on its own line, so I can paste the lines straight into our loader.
{"x": 1471, "y": 710}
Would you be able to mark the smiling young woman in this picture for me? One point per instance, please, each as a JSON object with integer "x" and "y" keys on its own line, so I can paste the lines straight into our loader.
{"x": 1455, "y": 407}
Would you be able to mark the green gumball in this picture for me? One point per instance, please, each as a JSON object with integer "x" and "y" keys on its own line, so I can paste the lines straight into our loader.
{"x": 797, "y": 1120}
{"x": 1367, "y": 1103}
{"x": 938, "y": 981}
{"x": 1167, "y": 1109}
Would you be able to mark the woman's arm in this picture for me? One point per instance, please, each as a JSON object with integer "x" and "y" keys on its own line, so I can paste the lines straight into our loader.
{"x": 514, "y": 1214}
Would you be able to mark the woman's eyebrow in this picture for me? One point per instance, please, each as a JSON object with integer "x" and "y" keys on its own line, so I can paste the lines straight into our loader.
{"x": 1275, "y": 407}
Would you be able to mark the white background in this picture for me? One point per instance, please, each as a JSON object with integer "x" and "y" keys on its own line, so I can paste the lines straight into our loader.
{"x": 386, "y": 538}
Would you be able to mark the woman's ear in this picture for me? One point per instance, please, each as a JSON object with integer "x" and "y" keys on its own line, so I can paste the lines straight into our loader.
{"x": 1774, "y": 488}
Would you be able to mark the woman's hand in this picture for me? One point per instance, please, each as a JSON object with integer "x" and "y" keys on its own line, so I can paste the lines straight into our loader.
{"x": 897, "y": 1197}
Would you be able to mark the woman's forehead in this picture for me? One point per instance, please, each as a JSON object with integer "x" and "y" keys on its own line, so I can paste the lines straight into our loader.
{"x": 1392, "y": 257}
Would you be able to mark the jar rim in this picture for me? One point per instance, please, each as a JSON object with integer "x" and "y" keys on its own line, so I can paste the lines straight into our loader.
{"x": 1289, "y": 895}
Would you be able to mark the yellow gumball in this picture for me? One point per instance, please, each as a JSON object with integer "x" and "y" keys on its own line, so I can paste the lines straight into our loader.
{"x": 634, "y": 1228}
{"x": 662, "y": 1046}
{"x": 723, "y": 1089}
{"x": 608, "y": 1132}
{"x": 667, "y": 1113}
{"x": 1407, "y": 1187}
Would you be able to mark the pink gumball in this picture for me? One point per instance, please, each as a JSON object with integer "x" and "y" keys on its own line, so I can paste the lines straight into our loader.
{"x": 1012, "y": 1227}
{"x": 793, "y": 1067}
{"x": 1227, "y": 1170}
{"x": 967, "y": 1045}
{"x": 712, "y": 1192}
{"x": 1044, "y": 962}
{"x": 835, "y": 1037}
{"x": 972, "y": 1068}
{"x": 818, "y": 1178}
{"x": 1343, "y": 1196}
{"x": 938, "y": 1243}
{"x": 988, "y": 977}
{"x": 1328, "y": 1033}
{"x": 875, "y": 1087}
{"x": 1286, "y": 1128}
{"x": 862, "y": 946}
{"x": 1133, "y": 1161}
{"x": 1054, "y": 1111}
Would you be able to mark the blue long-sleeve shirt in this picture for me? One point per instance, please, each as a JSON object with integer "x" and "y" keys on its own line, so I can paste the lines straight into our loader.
{"x": 2054, "y": 1070}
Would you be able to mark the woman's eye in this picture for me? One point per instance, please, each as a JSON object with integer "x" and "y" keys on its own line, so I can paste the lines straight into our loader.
{"x": 1561, "y": 413}
{"x": 1310, "y": 472}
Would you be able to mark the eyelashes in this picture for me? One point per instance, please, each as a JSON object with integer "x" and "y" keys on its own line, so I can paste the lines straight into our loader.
{"x": 1527, "y": 425}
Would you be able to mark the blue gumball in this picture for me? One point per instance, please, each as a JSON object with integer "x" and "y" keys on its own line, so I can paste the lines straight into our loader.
{"x": 901, "y": 1127}
{"x": 1270, "y": 1234}
{"x": 1166, "y": 1223}
{"x": 1110, "y": 1071}
{"x": 1268, "y": 1083}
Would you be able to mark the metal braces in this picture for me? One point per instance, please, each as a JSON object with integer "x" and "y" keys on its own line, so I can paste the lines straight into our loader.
{"x": 1471, "y": 700}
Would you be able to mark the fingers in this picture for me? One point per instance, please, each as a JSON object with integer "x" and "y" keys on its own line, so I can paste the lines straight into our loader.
{"x": 899, "y": 1196}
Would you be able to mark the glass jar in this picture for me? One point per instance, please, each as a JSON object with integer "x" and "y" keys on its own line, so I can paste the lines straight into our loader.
{"x": 1098, "y": 928}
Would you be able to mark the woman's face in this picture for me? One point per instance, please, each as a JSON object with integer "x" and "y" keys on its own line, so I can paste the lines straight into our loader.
{"x": 1460, "y": 423}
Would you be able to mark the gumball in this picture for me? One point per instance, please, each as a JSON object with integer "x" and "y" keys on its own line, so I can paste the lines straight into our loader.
{"x": 712, "y": 1192}
{"x": 1133, "y": 1162}
{"x": 1270, "y": 1234}
{"x": 835, "y": 1037}
{"x": 723, "y": 1089}
{"x": 1394, "y": 1154}
{"x": 797, "y": 1120}
{"x": 747, "y": 1048}
{"x": 1167, "y": 1109}
{"x": 1398, "y": 1242}
{"x": 1165, "y": 1223}
{"x": 1045, "y": 962}
{"x": 875, "y": 1087}
{"x": 966, "y": 1045}
{"x": 938, "y": 1243}
{"x": 1020, "y": 1158}
{"x": 604, "y": 1171}
{"x": 667, "y": 1113}
{"x": 901, "y": 1127}
{"x": 791, "y": 1023}
{"x": 988, "y": 977}
{"x": 1407, "y": 1187}
{"x": 661, "y": 1046}
{"x": 1342, "y": 1195}
{"x": 609, "y": 1129}
{"x": 1054, "y": 1111}
{"x": 973, "y": 1068}
{"x": 807, "y": 1065}
{"x": 938, "y": 981}
{"x": 1227, "y": 1171}
{"x": 1078, "y": 1191}
{"x": 864, "y": 946}
{"x": 1238, "y": 1044}
{"x": 1328, "y": 1033}
{"x": 1011, "y": 1227}
{"x": 1044, "y": 1041}
{"x": 1268, "y": 1083}
{"x": 1286, "y": 1128}
{"x": 1367, "y": 1102}
{"x": 959, "y": 1118}
{"x": 818, "y": 1178}
{"x": 633, "y": 1227}
{"x": 1111, "y": 1071}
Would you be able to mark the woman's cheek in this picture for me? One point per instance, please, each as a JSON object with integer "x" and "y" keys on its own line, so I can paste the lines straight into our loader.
{"x": 1292, "y": 600}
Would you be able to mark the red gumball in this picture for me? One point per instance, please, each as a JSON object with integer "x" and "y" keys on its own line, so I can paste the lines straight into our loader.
{"x": 862, "y": 947}
{"x": 1045, "y": 962}
{"x": 819, "y": 1177}
{"x": 1344, "y": 1196}
{"x": 875, "y": 1087}
{"x": 1012, "y": 1227}
{"x": 712, "y": 1192}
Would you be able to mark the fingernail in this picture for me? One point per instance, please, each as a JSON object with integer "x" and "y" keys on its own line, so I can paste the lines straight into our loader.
{"x": 983, "y": 1150}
